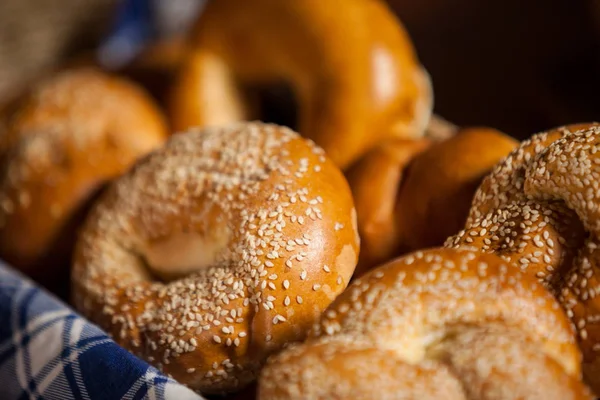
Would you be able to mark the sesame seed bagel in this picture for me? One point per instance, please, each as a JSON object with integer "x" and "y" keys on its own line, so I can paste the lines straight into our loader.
{"x": 542, "y": 238}
{"x": 59, "y": 144}
{"x": 569, "y": 171}
{"x": 403, "y": 190}
{"x": 442, "y": 323}
{"x": 353, "y": 86}
{"x": 216, "y": 250}
{"x": 505, "y": 183}
{"x": 539, "y": 210}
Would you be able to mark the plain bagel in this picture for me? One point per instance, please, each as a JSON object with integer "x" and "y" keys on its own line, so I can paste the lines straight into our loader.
{"x": 413, "y": 194}
{"x": 350, "y": 64}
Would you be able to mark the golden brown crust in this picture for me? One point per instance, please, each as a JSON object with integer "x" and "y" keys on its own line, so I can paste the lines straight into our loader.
{"x": 266, "y": 239}
{"x": 413, "y": 194}
{"x": 58, "y": 145}
{"x": 444, "y": 323}
{"x": 375, "y": 182}
{"x": 440, "y": 184}
{"x": 354, "y": 86}
{"x": 156, "y": 67}
{"x": 538, "y": 209}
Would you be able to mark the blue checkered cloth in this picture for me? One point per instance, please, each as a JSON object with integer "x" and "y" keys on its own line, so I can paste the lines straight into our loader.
{"x": 47, "y": 351}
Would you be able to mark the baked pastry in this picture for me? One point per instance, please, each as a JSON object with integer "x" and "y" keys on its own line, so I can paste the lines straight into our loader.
{"x": 447, "y": 175}
{"x": 376, "y": 182}
{"x": 538, "y": 210}
{"x": 413, "y": 194}
{"x": 349, "y": 63}
{"x": 438, "y": 324}
{"x": 216, "y": 250}
{"x": 155, "y": 68}
{"x": 59, "y": 144}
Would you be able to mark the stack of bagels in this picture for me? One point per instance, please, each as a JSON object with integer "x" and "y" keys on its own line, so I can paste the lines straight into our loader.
{"x": 370, "y": 250}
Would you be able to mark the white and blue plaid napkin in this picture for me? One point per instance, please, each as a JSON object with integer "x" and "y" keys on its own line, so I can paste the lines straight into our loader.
{"x": 47, "y": 351}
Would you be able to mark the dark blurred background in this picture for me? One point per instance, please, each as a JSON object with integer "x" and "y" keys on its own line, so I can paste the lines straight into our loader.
{"x": 520, "y": 66}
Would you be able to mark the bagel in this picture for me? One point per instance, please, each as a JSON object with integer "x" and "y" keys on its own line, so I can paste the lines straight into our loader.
{"x": 156, "y": 66}
{"x": 447, "y": 174}
{"x": 216, "y": 250}
{"x": 412, "y": 195}
{"x": 59, "y": 144}
{"x": 376, "y": 180}
{"x": 350, "y": 64}
{"x": 538, "y": 210}
{"x": 442, "y": 323}
{"x": 505, "y": 184}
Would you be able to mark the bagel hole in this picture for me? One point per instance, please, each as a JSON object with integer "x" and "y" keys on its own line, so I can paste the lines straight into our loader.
{"x": 276, "y": 103}
{"x": 183, "y": 253}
